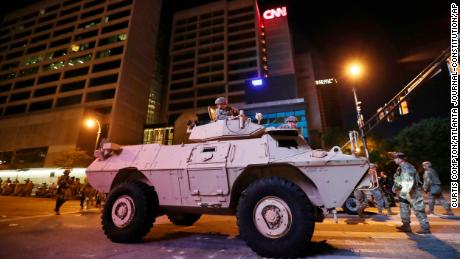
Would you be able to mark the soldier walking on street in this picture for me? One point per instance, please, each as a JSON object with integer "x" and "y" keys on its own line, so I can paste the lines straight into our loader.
{"x": 62, "y": 195}
{"x": 406, "y": 184}
{"x": 432, "y": 186}
{"x": 380, "y": 199}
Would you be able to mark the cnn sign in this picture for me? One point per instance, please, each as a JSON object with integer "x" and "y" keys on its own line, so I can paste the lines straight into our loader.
{"x": 272, "y": 13}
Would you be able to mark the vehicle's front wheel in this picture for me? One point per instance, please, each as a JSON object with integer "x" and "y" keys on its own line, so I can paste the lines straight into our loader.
{"x": 349, "y": 206}
{"x": 129, "y": 212}
{"x": 184, "y": 219}
{"x": 275, "y": 218}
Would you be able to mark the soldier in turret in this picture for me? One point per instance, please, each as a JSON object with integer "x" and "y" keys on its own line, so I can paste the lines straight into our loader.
{"x": 290, "y": 123}
{"x": 432, "y": 186}
{"x": 406, "y": 184}
{"x": 224, "y": 110}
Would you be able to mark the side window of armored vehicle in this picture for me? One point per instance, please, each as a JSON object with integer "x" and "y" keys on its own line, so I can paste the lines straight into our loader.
{"x": 209, "y": 149}
{"x": 288, "y": 143}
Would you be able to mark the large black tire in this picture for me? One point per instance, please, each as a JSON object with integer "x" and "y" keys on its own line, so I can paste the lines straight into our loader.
{"x": 183, "y": 219}
{"x": 265, "y": 201}
{"x": 349, "y": 206}
{"x": 129, "y": 212}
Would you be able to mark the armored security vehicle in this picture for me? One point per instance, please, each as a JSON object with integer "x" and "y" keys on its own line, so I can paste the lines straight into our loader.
{"x": 270, "y": 178}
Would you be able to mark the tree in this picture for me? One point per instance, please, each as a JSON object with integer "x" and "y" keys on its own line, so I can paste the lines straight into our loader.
{"x": 429, "y": 140}
{"x": 73, "y": 158}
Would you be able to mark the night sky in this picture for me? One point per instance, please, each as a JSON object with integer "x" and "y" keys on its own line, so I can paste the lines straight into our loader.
{"x": 394, "y": 41}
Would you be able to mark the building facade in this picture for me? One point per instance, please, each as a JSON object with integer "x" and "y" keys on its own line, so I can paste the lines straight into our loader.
{"x": 63, "y": 61}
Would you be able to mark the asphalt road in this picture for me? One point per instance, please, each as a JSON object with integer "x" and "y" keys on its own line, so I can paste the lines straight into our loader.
{"x": 29, "y": 229}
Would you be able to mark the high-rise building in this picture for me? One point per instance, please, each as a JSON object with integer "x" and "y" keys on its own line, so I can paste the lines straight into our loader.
{"x": 64, "y": 60}
{"x": 218, "y": 49}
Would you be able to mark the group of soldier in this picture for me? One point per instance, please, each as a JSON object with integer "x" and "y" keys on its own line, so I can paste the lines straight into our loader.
{"x": 409, "y": 189}
{"x": 16, "y": 188}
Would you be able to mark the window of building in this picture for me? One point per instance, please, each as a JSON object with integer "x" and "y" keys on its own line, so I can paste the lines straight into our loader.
{"x": 40, "y": 38}
{"x": 182, "y": 66}
{"x": 243, "y": 75}
{"x": 210, "y": 58}
{"x": 54, "y": 66}
{"x": 106, "y": 66}
{"x": 183, "y": 75}
{"x": 22, "y": 34}
{"x": 93, "y": 3}
{"x": 119, "y": 5}
{"x": 236, "y": 99}
{"x": 110, "y": 52}
{"x": 76, "y": 72}
{"x": 5, "y": 88}
{"x": 92, "y": 13}
{"x": 181, "y": 95}
{"x": 28, "y": 71}
{"x": 18, "y": 44}
{"x": 24, "y": 84}
{"x": 36, "y": 49}
{"x": 241, "y": 36}
{"x": 73, "y": 86}
{"x": 79, "y": 60}
{"x": 70, "y": 10}
{"x": 41, "y": 105}
{"x": 11, "y": 65}
{"x": 86, "y": 35}
{"x": 117, "y": 16}
{"x": 101, "y": 95}
{"x": 28, "y": 24}
{"x": 181, "y": 85}
{"x": 205, "y": 102}
{"x": 32, "y": 60}
{"x": 180, "y": 106}
{"x": 15, "y": 109}
{"x": 66, "y": 21}
{"x": 47, "y": 18}
{"x": 115, "y": 27}
{"x": 3, "y": 100}
{"x": 7, "y": 76}
{"x": 208, "y": 49}
{"x": 59, "y": 42}
{"x": 89, "y": 24}
{"x": 113, "y": 39}
{"x": 242, "y": 55}
{"x": 64, "y": 31}
{"x": 211, "y": 68}
{"x": 82, "y": 47}
{"x": 44, "y": 27}
{"x": 49, "y": 78}
{"x": 103, "y": 80}
{"x": 242, "y": 27}
{"x": 28, "y": 16}
{"x": 69, "y": 100}
{"x": 69, "y": 2}
{"x": 19, "y": 96}
{"x": 184, "y": 56}
{"x": 213, "y": 39}
{"x": 243, "y": 65}
{"x": 45, "y": 91}
{"x": 236, "y": 87}
{"x": 52, "y": 8}
{"x": 243, "y": 18}
{"x": 241, "y": 10}
{"x": 211, "y": 90}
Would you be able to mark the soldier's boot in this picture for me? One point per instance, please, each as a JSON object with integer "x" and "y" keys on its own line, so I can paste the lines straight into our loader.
{"x": 404, "y": 228}
{"x": 57, "y": 211}
{"x": 423, "y": 231}
{"x": 361, "y": 212}
{"x": 389, "y": 212}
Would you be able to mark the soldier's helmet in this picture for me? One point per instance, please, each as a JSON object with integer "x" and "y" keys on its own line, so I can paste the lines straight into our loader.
{"x": 291, "y": 119}
{"x": 371, "y": 165}
{"x": 427, "y": 164}
{"x": 394, "y": 155}
{"x": 221, "y": 100}
{"x": 67, "y": 171}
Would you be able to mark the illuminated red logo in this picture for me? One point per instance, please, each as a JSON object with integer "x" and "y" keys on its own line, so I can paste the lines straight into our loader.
{"x": 272, "y": 13}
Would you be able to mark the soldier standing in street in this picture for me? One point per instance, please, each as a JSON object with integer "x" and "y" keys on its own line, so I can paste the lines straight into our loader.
{"x": 406, "y": 184}
{"x": 223, "y": 110}
{"x": 380, "y": 199}
{"x": 432, "y": 186}
{"x": 62, "y": 195}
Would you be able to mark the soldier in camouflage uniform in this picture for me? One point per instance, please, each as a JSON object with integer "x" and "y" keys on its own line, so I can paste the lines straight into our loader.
{"x": 223, "y": 110}
{"x": 432, "y": 185}
{"x": 63, "y": 191}
{"x": 406, "y": 184}
{"x": 380, "y": 199}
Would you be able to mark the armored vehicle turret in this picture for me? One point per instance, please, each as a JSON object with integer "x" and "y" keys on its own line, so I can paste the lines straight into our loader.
{"x": 271, "y": 179}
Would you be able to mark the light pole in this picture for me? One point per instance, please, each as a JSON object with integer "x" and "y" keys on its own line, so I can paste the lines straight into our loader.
{"x": 90, "y": 122}
{"x": 355, "y": 71}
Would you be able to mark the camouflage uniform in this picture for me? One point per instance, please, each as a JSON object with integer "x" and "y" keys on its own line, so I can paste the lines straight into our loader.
{"x": 223, "y": 114}
{"x": 432, "y": 184}
{"x": 63, "y": 190}
{"x": 410, "y": 195}
{"x": 361, "y": 201}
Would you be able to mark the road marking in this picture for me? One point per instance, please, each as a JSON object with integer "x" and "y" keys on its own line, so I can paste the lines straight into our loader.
{"x": 44, "y": 215}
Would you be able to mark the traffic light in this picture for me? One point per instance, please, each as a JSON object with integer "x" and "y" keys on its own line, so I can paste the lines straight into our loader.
{"x": 403, "y": 107}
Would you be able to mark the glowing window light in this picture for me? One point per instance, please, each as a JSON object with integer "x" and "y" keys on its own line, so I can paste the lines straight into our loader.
{"x": 257, "y": 82}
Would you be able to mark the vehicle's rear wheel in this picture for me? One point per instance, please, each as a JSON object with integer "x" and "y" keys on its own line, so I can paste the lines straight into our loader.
{"x": 129, "y": 212}
{"x": 350, "y": 206}
{"x": 275, "y": 218}
{"x": 184, "y": 219}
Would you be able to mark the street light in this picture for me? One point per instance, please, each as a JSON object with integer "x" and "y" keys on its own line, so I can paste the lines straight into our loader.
{"x": 355, "y": 71}
{"x": 90, "y": 122}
